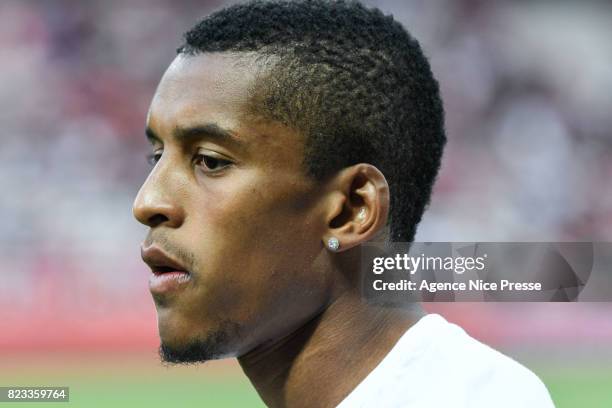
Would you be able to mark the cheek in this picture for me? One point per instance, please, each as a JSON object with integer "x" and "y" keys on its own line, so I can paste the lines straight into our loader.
{"x": 250, "y": 207}
{"x": 255, "y": 252}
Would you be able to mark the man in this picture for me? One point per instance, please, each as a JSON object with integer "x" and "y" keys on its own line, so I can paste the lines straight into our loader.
{"x": 284, "y": 135}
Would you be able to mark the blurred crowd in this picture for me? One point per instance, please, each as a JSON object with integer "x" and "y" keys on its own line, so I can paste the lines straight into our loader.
{"x": 526, "y": 87}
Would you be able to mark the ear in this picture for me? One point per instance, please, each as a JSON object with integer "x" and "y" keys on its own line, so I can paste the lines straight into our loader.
{"x": 357, "y": 207}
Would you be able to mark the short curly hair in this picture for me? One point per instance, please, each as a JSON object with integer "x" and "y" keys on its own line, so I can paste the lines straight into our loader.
{"x": 352, "y": 81}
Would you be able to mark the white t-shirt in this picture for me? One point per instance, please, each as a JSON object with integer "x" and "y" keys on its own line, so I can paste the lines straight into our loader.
{"x": 436, "y": 364}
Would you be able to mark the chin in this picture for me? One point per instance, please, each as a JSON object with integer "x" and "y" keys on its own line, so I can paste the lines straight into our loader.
{"x": 187, "y": 343}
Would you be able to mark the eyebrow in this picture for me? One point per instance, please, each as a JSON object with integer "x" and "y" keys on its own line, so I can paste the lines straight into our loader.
{"x": 199, "y": 132}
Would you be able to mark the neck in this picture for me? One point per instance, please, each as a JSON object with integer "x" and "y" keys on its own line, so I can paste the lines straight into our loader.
{"x": 323, "y": 361}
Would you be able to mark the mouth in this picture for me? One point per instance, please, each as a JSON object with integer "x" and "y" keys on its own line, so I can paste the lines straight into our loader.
{"x": 168, "y": 275}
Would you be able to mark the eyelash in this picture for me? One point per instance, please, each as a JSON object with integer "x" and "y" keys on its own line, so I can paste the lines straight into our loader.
{"x": 199, "y": 158}
{"x": 202, "y": 158}
{"x": 153, "y": 158}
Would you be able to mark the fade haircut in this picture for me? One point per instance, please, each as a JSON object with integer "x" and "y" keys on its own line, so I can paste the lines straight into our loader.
{"x": 352, "y": 81}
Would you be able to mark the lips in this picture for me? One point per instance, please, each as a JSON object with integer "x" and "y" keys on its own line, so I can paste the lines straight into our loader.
{"x": 168, "y": 274}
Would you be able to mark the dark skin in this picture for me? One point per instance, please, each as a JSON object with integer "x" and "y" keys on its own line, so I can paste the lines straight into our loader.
{"x": 229, "y": 197}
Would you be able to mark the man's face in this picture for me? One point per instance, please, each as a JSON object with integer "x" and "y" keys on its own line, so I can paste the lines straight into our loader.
{"x": 229, "y": 202}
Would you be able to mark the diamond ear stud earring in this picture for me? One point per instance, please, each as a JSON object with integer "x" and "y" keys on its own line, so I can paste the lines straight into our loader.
{"x": 333, "y": 244}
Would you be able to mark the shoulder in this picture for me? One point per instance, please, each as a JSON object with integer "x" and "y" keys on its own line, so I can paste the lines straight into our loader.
{"x": 482, "y": 375}
{"x": 437, "y": 364}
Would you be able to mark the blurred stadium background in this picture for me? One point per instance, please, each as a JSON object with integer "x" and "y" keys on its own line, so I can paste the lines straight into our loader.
{"x": 527, "y": 89}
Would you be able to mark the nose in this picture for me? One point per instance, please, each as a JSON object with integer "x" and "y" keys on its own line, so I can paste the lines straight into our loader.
{"x": 156, "y": 204}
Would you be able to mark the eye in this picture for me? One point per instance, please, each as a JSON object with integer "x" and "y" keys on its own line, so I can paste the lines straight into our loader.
{"x": 211, "y": 164}
{"x": 153, "y": 158}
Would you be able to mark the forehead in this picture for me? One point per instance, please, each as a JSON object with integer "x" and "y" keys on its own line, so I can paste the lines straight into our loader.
{"x": 211, "y": 87}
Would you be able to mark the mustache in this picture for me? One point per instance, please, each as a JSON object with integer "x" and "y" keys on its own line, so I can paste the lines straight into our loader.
{"x": 173, "y": 250}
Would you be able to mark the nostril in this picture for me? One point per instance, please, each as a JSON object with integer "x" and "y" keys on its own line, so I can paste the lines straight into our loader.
{"x": 157, "y": 219}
